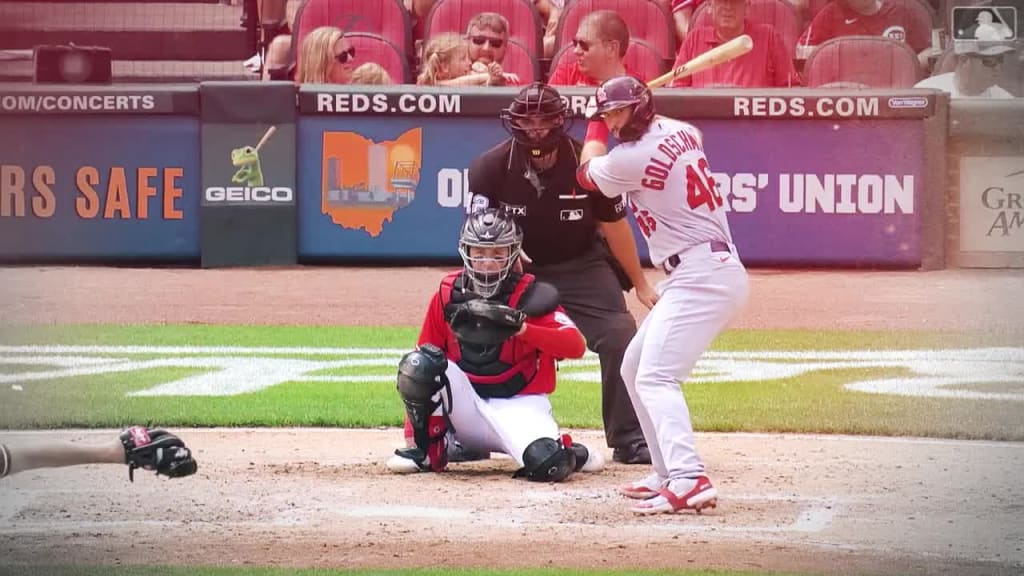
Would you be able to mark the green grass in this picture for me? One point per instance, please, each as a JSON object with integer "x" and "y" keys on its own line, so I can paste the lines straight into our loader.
{"x": 812, "y": 403}
{"x": 210, "y": 571}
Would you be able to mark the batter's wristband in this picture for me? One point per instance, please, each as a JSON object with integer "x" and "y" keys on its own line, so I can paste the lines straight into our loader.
{"x": 597, "y": 131}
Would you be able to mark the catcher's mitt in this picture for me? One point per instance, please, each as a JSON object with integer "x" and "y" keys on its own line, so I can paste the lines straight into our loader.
{"x": 156, "y": 450}
{"x": 484, "y": 322}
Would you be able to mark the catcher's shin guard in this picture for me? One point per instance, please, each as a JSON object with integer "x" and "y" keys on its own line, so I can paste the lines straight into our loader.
{"x": 421, "y": 380}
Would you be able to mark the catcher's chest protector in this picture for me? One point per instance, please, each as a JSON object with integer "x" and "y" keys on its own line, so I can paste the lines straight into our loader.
{"x": 490, "y": 361}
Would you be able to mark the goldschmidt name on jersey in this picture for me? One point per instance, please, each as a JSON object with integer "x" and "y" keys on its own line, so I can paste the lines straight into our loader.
{"x": 672, "y": 147}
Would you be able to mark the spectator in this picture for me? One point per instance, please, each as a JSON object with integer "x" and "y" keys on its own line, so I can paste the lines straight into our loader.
{"x": 978, "y": 67}
{"x": 446, "y": 63}
{"x": 599, "y": 46}
{"x": 550, "y": 12}
{"x": 272, "y": 22}
{"x": 418, "y": 10}
{"x": 326, "y": 57}
{"x": 487, "y": 33}
{"x": 277, "y": 66}
{"x": 887, "y": 18}
{"x": 371, "y": 73}
{"x": 768, "y": 65}
{"x": 682, "y": 16}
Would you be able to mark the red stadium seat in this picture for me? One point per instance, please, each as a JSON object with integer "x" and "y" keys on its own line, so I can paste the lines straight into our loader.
{"x": 645, "y": 60}
{"x": 874, "y": 61}
{"x": 386, "y": 18}
{"x": 641, "y": 58}
{"x": 519, "y": 62}
{"x": 778, "y": 13}
{"x": 647, "y": 21}
{"x": 373, "y": 48}
{"x": 524, "y": 23}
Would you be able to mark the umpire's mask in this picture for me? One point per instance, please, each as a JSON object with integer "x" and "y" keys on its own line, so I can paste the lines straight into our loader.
{"x": 537, "y": 119}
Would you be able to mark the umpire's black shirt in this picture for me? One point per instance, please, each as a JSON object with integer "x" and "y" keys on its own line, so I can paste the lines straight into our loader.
{"x": 560, "y": 222}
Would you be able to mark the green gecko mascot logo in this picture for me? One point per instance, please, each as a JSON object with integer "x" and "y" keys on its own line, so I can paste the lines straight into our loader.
{"x": 250, "y": 176}
{"x": 247, "y": 160}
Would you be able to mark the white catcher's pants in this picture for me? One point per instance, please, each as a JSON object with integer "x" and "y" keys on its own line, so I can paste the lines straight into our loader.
{"x": 697, "y": 300}
{"x": 506, "y": 425}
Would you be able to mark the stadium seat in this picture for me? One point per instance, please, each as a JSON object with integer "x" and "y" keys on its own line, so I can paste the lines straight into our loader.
{"x": 386, "y": 18}
{"x": 647, "y": 20}
{"x": 641, "y": 58}
{"x": 778, "y": 13}
{"x": 525, "y": 26}
{"x": 519, "y": 62}
{"x": 645, "y": 60}
{"x": 874, "y": 61}
{"x": 373, "y": 48}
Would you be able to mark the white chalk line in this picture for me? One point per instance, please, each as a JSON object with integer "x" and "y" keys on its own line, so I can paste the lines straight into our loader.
{"x": 813, "y": 517}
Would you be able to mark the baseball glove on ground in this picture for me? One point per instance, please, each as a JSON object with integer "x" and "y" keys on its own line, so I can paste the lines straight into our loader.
{"x": 156, "y": 450}
{"x": 483, "y": 322}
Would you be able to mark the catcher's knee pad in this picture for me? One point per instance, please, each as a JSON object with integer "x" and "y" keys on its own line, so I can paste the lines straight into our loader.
{"x": 421, "y": 375}
{"x": 548, "y": 460}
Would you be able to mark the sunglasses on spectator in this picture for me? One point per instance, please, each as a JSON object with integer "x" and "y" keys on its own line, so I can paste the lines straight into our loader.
{"x": 990, "y": 61}
{"x": 494, "y": 42}
{"x": 582, "y": 44}
{"x": 345, "y": 56}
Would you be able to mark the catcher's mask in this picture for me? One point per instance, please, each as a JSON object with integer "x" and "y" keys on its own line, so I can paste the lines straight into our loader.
{"x": 489, "y": 244}
{"x": 626, "y": 92}
{"x": 537, "y": 119}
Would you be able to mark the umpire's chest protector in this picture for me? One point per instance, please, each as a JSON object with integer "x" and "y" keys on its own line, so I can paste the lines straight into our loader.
{"x": 494, "y": 371}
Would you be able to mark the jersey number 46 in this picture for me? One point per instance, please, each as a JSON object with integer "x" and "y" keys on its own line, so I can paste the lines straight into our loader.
{"x": 700, "y": 187}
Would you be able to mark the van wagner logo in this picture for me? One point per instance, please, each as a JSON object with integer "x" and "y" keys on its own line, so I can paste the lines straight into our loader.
{"x": 366, "y": 182}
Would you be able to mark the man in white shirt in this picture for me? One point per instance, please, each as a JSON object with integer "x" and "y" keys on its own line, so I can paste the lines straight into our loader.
{"x": 978, "y": 66}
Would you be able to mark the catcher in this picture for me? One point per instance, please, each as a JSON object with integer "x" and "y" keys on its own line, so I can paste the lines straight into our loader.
{"x": 138, "y": 447}
{"x": 485, "y": 363}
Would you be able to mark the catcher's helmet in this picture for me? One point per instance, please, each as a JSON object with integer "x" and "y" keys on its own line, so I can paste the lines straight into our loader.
{"x": 626, "y": 91}
{"x": 489, "y": 228}
{"x": 537, "y": 102}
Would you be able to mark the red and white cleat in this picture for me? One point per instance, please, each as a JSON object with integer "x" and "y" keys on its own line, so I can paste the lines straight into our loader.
{"x": 682, "y": 494}
{"x": 643, "y": 489}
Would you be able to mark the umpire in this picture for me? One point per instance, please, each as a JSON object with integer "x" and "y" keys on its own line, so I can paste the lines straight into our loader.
{"x": 533, "y": 176}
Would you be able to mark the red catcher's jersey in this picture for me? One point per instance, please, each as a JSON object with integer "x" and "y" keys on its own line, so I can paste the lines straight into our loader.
{"x": 535, "y": 365}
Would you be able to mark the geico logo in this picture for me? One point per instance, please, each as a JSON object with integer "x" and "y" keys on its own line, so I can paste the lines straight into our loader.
{"x": 247, "y": 194}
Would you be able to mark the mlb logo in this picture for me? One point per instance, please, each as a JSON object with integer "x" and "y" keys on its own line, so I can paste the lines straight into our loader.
{"x": 573, "y": 215}
{"x": 984, "y": 23}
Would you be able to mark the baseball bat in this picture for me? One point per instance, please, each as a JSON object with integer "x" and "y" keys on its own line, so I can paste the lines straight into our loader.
{"x": 270, "y": 132}
{"x": 722, "y": 53}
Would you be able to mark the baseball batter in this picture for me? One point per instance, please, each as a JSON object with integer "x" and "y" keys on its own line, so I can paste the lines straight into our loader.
{"x": 661, "y": 168}
{"x": 485, "y": 363}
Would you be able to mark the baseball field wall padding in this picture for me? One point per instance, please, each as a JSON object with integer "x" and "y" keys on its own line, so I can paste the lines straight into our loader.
{"x": 104, "y": 174}
{"x": 228, "y": 174}
{"x": 247, "y": 210}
